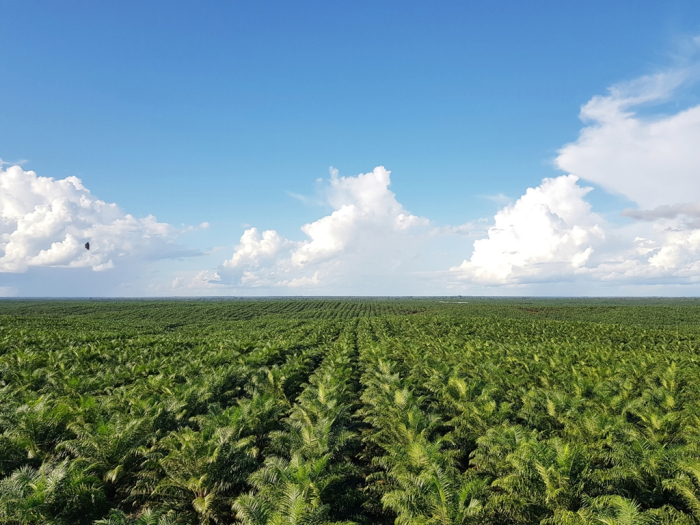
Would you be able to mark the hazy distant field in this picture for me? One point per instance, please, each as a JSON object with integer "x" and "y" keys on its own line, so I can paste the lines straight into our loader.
{"x": 414, "y": 411}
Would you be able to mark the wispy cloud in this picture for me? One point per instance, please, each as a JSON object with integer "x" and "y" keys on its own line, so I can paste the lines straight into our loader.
{"x": 471, "y": 229}
{"x": 498, "y": 198}
{"x": 20, "y": 162}
{"x": 309, "y": 201}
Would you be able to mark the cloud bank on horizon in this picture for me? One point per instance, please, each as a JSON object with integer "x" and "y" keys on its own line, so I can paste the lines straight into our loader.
{"x": 368, "y": 240}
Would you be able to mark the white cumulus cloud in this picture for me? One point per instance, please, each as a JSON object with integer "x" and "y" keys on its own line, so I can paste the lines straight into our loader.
{"x": 366, "y": 227}
{"x": 255, "y": 248}
{"x": 661, "y": 254}
{"x": 652, "y": 160}
{"x": 46, "y": 222}
{"x": 551, "y": 233}
{"x": 548, "y": 231}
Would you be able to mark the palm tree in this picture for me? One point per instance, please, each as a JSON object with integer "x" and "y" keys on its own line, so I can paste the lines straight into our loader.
{"x": 60, "y": 493}
{"x": 287, "y": 492}
{"x": 421, "y": 483}
{"x": 147, "y": 517}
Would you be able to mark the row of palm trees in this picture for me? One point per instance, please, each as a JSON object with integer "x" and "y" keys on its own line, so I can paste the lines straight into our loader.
{"x": 311, "y": 475}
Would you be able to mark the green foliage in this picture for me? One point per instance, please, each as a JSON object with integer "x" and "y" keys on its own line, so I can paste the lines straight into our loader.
{"x": 54, "y": 493}
{"x": 412, "y": 412}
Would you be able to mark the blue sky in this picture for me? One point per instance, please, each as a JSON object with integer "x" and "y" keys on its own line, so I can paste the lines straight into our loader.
{"x": 229, "y": 113}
